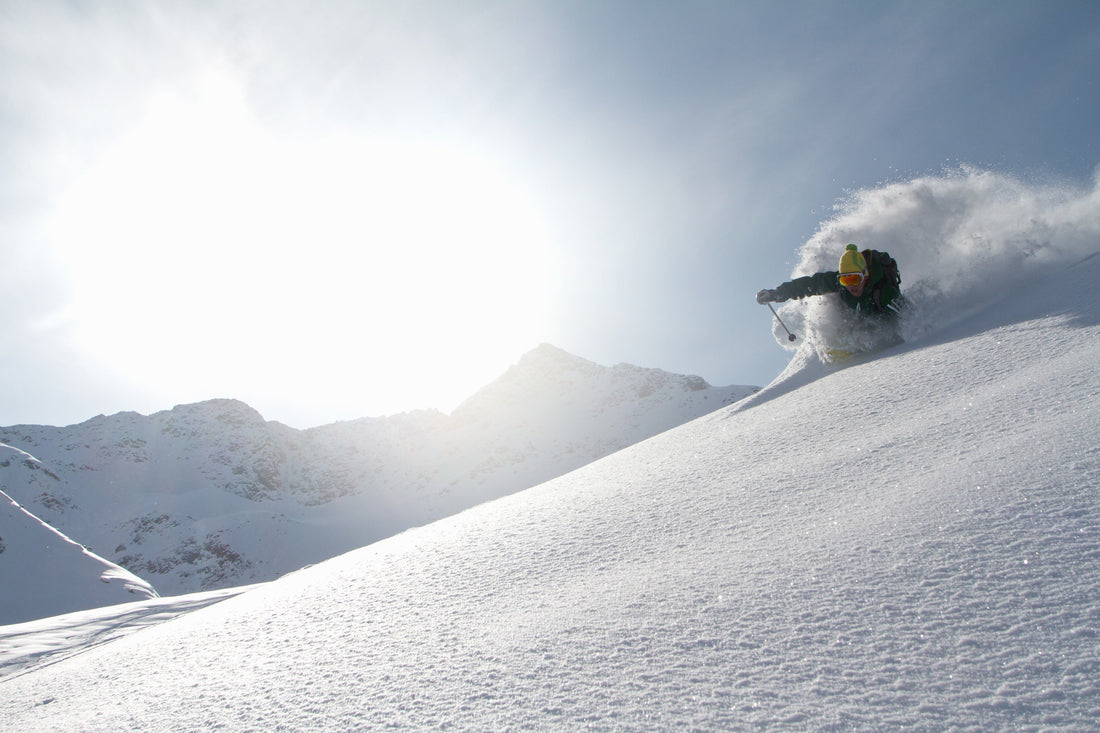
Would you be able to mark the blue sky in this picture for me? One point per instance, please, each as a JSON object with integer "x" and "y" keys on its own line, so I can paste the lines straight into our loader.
{"x": 333, "y": 210}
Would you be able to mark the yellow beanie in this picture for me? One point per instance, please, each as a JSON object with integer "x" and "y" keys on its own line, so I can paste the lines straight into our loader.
{"x": 852, "y": 260}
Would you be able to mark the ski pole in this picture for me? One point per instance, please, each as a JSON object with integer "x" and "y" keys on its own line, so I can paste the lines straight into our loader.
{"x": 790, "y": 336}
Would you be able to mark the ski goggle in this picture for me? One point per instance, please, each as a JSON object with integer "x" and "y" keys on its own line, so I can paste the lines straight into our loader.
{"x": 851, "y": 279}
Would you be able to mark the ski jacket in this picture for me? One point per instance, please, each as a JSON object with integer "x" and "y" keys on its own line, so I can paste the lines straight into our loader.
{"x": 878, "y": 297}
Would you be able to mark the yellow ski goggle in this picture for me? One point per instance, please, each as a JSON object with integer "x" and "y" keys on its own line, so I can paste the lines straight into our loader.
{"x": 851, "y": 279}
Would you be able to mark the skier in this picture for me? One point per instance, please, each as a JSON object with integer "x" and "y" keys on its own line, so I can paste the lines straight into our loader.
{"x": 867, "y": 282}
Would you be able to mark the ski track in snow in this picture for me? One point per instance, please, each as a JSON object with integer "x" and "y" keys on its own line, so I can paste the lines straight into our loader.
{"x": 45, "y": 641}
{"x": 909, "y": 542}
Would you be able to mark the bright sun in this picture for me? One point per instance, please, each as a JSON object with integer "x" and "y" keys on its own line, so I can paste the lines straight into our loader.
{"x": 205, "y": 251}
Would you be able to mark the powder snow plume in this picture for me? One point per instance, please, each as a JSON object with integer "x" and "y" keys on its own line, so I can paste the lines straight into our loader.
{"x": 963, "y": 240}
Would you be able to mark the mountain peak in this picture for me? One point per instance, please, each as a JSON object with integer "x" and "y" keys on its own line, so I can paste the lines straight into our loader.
{"x": 549, "y": 352}
{"x": 549, "y": 384}
{"x": 547, "y": 358}
{"x": 221, "y": 409}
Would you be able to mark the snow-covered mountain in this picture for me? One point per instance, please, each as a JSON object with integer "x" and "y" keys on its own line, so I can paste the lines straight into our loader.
{"x": 211, "y": 495}
{"x": 43, "y": 572}
{"x": 907, "y": 542}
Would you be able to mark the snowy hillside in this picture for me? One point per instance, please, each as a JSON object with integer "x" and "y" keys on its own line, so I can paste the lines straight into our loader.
{"x": 910, "y": 542}
{"x": 43, "y": 572}
{"x": 210, "y": 495}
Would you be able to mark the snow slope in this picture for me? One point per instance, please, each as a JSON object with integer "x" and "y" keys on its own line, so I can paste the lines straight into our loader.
{"x": 909, "y": 542}
{"x": 211, "y": 495}
{"x": 43, "y": 572}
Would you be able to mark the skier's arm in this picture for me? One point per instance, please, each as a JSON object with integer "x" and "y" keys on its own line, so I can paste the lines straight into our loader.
{"x": 801, "y": 287}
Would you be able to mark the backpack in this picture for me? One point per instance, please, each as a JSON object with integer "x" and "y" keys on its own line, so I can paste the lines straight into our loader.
{"x": 890, "y": 275}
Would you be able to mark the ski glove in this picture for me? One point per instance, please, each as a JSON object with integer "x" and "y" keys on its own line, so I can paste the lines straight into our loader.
{"x": 767, "y": 296}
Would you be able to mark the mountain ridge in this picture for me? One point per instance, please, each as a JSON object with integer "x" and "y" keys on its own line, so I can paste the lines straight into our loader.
{"x": 211, "y": 495}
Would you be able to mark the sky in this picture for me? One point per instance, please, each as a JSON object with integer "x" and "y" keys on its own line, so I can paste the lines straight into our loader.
{"x": 362, "y": 208}
{"x": 781, "y": 564}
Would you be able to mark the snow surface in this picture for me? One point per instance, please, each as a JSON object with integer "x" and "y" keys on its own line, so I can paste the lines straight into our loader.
{"x": 907, "y": 542}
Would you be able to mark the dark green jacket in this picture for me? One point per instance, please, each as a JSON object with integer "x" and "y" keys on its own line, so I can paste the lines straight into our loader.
{"x": 878, "y": 297}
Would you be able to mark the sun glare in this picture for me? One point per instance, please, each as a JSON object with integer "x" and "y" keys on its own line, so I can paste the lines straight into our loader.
{"x": 204, "y": 250}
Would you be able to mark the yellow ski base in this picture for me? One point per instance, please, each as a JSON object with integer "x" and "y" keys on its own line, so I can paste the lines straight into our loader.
{"x": 835, "y": 356}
